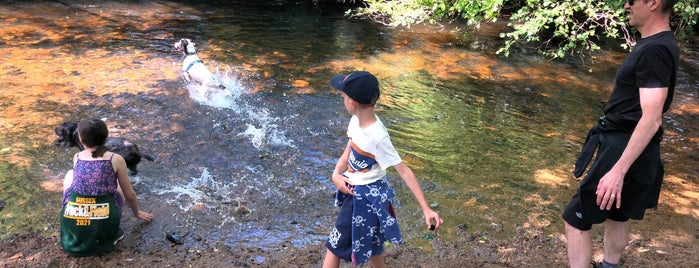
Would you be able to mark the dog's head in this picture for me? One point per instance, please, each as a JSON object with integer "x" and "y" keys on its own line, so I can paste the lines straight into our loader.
{"x": 67, "y": 134}
{"x": 186, "y": 46}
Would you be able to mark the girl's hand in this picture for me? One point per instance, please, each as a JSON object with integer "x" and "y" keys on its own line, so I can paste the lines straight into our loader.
{"x": 144, "y": 216}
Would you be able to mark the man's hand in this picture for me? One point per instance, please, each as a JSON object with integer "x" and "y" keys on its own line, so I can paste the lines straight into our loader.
{"x": 609, "y": 190}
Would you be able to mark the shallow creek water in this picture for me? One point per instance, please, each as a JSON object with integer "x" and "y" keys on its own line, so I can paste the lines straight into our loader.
{"x": 491, "y": 139}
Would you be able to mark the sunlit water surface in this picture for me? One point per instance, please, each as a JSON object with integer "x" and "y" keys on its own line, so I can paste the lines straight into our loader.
{"x": 491, "y": 139}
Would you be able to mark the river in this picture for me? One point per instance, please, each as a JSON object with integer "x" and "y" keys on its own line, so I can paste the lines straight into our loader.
{"x": 492, "y": 139}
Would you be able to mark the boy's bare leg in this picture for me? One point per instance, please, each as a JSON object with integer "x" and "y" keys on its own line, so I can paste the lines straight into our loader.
{"x": 378, "y": 261}
{"x": 331, "y": 261}
{"x": 579, "y": 247}
{"x": 616, "y": 238}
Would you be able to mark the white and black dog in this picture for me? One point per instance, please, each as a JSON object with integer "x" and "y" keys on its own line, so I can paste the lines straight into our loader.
{"x": 193, "y": 67}
{"x": 68, "y": 137}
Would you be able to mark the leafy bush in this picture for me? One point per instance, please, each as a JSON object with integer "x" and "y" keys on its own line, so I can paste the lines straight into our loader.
{"x": 408, "y": 12}
{"x": 566, "y": 27}
{"x": 559, "y": 28}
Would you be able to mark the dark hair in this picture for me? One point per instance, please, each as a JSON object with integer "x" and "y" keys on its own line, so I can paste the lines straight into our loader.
{"x": 93, "y": 133}
{"x": 374, "y": 99}
{"x": 668, "y": 5}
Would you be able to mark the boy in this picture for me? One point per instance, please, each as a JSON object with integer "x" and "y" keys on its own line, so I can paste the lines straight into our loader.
{"x": 359, "y": 175}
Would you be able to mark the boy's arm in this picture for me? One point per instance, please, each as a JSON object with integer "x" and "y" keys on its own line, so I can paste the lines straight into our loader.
{"x": 341, "y": 182}
{"x": 409, "y": 177}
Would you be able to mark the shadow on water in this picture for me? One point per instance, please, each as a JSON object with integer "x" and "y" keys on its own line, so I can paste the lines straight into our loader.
{"x": 492, "y": 139}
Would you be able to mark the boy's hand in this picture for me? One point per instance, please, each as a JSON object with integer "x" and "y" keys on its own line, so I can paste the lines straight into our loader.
{"x": 342, "y": 183}
{"x": 431, "y": 215}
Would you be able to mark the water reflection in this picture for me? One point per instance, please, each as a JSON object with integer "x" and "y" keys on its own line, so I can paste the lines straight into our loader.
{"x": 492, "y": 139}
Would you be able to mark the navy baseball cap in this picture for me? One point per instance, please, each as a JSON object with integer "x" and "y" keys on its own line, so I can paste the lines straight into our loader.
{"x": 360, "y": 86}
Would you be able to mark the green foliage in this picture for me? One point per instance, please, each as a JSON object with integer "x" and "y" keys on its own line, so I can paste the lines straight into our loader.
{"x": 685, "y": 18}
{"x": 559, "y": 28}
{"x": 566, "y": 27}
{"x": 408, "y": 12}
{"x": 396, "y": 13}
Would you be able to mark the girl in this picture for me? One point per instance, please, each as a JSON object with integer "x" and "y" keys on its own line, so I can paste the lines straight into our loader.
{"x": 93, "y": 194}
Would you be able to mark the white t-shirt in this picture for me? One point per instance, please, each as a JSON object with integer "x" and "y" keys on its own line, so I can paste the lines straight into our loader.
{"x": 371, "y": 152}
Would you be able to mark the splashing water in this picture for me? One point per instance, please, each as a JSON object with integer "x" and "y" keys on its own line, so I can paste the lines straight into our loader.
{"x": 216, "y": 97}
{"x": 197, "y": 191}
{"x": 268, "y": 133}
{"x": 262, "y": 130}
{"x": 204, "y": 192}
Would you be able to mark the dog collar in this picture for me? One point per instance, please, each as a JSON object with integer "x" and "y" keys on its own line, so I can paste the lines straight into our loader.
{"x": 192, "y": 64}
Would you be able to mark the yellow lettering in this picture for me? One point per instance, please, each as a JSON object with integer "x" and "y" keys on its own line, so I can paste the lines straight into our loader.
{"x": 85, "y": 200}
{"x": 86, "y": 211}
{"x": 102, "y": 211}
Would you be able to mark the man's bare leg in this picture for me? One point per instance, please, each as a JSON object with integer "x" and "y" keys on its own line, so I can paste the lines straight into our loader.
{"x": 579, "y": 247}
{"x": 616, "y": 238}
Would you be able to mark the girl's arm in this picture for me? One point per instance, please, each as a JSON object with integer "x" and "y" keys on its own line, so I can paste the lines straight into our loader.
{"x": 126, "y": 188}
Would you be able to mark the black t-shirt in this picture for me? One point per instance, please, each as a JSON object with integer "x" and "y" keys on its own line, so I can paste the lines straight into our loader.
{"x": 652, "y": 63}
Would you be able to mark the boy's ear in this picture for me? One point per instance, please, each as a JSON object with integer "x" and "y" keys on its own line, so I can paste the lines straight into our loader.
{"x": 356, "y": 104}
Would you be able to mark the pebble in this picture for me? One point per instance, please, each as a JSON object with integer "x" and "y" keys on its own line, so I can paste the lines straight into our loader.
{"x": 174, "y": 238}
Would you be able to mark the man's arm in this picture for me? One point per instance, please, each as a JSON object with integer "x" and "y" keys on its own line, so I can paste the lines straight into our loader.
{"x": 609, "y": 187}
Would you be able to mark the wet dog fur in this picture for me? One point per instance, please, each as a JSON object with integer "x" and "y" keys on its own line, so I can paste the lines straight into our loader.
{"x": 193, "y": 67}
{"x": 68, "y": 137}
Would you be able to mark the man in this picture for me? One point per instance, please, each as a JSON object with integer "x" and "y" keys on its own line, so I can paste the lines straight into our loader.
{"x": 626, "y": 175}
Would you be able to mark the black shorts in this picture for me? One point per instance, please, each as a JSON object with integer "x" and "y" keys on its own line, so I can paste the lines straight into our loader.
{"x": 640, "y": 191}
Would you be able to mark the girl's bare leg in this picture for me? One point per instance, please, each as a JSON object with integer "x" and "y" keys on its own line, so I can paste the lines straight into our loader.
{"x": 68, "y": 180}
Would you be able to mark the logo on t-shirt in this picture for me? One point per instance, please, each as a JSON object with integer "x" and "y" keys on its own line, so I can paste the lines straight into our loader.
{"x": 360, "y": 160}
{"x": 86, "y": 209}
